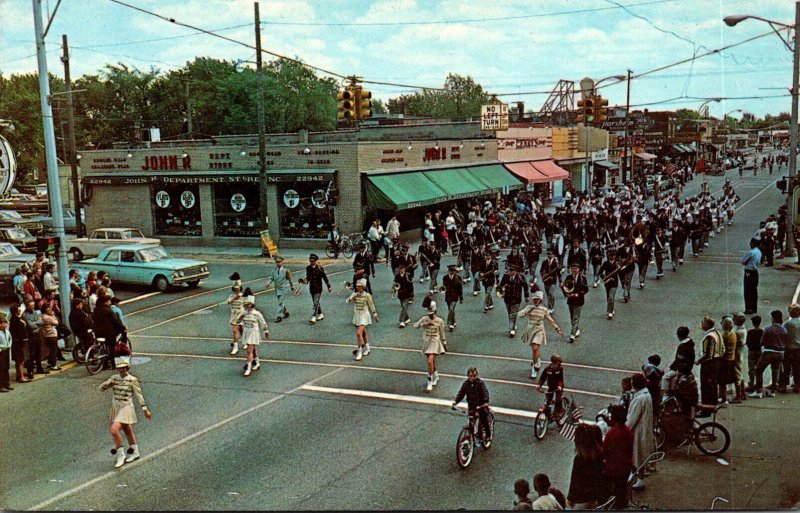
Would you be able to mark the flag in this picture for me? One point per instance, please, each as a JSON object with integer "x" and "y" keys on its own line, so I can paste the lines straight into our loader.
{"x": 570, "y": 422}
{"x": 671, "y": 167}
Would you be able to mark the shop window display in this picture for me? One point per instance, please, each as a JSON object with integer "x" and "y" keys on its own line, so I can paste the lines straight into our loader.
{"x": 236, "y": 210}
{"x": 303, "y": 211}
{"x": 177, "y": 209}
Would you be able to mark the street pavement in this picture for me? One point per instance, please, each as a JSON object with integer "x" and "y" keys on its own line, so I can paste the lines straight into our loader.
{"x": 313, "y": 429}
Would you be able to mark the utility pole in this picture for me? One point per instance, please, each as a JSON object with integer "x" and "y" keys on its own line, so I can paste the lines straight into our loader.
{"x": 789, "y": 249}
{"x": 53, "y": 190}
{"x": 188, "y": 112}
{"x": 262, "y": 138}
{"x": 627, "y": 118}
{"x": 71, "y": 156}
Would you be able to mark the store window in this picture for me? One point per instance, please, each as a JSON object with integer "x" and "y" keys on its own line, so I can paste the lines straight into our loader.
{"x": 303, "y": 211}
{"x": 177, "y": 209}
{"x": 236, "y": 210}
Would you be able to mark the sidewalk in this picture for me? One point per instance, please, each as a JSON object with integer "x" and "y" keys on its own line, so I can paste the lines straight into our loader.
{"x": 249, "y": 254}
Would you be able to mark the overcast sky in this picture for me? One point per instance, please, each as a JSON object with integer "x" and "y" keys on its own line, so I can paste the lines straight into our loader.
{"x": 509, "y": 46}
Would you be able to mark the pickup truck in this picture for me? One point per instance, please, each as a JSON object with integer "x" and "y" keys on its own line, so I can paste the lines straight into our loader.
{"x": 102, "y": 238}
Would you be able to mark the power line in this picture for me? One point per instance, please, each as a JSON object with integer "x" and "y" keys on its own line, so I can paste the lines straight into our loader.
{"x": 467, "y": 20}
{"x": 167, "y": 38}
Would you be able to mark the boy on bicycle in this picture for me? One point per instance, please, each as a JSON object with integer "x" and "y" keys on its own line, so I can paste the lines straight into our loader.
{"x": 553, "y": 375}
{"x": 477, "y": 399}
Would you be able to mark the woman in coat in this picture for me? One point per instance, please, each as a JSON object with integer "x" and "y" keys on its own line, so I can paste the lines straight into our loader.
{"x": 640, "y": 421}
{"x": 586, "y": 484}
{"x": 19, "y": 349}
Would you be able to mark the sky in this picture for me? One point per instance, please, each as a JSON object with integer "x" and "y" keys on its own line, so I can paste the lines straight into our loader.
{"x": 518, "y": 49}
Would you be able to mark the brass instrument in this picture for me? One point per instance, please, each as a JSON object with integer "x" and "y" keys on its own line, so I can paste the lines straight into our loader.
{"x": 395, "y": 288}
{"x": 566, "y": 288}
{"x": 612, "y": 274}
{"x": 346, "y": 286}
{"x": 297, "y": 290}
{"x": 500, "y": 292}
{"x": 549, "y": 273}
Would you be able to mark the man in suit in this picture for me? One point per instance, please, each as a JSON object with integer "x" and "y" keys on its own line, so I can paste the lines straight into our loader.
{"x": 575, "y": 288}
{"x": 513, "y": 285}
{"x": 550, "y": 271}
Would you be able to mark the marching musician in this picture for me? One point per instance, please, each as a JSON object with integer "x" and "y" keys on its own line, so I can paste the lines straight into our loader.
{"x": 476, "y": 264}
{"x": 403, "y": 288}
{"x": 405, "y": 259}
{"x": 363, "y": 306}
{"x": 364, "y": 258}
{"x": 678, "y": 243}
{"x": 453, "y": 294}
{"x": 315, "y": 275}
{"x": 627, "y": 262}
{"x": 533, "y": 250}
{"x": 434, "y": 342}
{"x": 659, "y": 244}
{"x": 465, "y": 256}
{"x": 422, "y": 253}
{"x": 578, "y": 255}
{"x": 488, "y": 277}
{"x": 575, "y": 288}
{"x": 282, "y": 278}
{"x": 433, "y": 259}
{"x": 643, "y": 253}
{"x": 512, "y": 286}
{"x": 596, "y": 259}
{"x": 515, "y": 258}
{"x": 609, "y": 271}
{"x": 550, "y": 271}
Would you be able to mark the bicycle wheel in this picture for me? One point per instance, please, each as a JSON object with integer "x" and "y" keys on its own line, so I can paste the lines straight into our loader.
{"x": 78, "y": 353}
{"x": 712, "y": 438}
{"x": 95, "y": 357}
{"x": 464, "y": 448}
{"x": 329, "y": 250}
{"x": 660, "y": 436}
{"x": 488, "y": 442}
{"x": 540, "y": 425}
{"x": 347, "y": 250}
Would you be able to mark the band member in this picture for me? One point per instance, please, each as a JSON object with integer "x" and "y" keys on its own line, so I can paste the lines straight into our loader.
{"x": 315, "y": 275}
{"x": 253, "y": 324}
{"x": 578, "y": 255}
{"x": 405, "y": 259}
{"x": 627, "y": 263}
{"x": 365, "y": 260}
{"x": 643, "y": 253}
{"x": 237, "y": 307}
{"x": 424, "y": 260}
{"x": 677, "y": 244}
{"x": 658, "y": 243}
{"x": 596, "y": 259}
{"x": 123, "y": 413}
{"x": 534, "y": 333}
{"x": 477, "y": 258}
{"x": 281, "y": 277}
{"x": 512, "y": 286}
{"x": 465, "y": 257}
{"x": 488, "y": 278}
{"x": 434, "y": 342}
{"x": 609, "y": 271}
{"x": 575, "y": 288}
{"x": 550, "y": 271}
{"x": 404, "y": 290}
{"x": 533, "y": 251}
{"x": 434, "y": 259}
{"x": 362, "y": 307}
{"x": 515, "y": 258}
{"x": 453, "y": 294}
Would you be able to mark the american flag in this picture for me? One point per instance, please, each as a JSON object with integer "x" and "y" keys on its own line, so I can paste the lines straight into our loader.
{"x": 671, "y": 168}
{"x": 570, "y": 421}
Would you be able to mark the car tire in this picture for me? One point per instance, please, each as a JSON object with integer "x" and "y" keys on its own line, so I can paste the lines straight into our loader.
{"x": 77, "y": 254}
{"x": 193, "y": 284}
{"x": 161, "y": 283}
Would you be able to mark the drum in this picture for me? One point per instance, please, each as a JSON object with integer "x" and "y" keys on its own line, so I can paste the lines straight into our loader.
{"x": 560, "y": 244}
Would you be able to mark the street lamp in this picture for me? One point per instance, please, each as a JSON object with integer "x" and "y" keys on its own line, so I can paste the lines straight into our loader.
{"x": 591, "y": 92}
{"x": 700, "y": 109}
{"x": 789, "y": 249}
{"x": 725, "y": 124}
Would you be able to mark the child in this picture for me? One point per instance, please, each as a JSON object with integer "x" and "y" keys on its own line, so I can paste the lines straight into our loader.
{"x": 654, "y": 375}
{"x": 553, "y": 375}
{"x": 753, "y": 343}
{"x": 627, "y": 392}
{"x": 115, "y": 301}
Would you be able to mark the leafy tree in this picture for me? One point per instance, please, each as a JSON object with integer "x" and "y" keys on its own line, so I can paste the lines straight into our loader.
{"x": 460, "y": 98}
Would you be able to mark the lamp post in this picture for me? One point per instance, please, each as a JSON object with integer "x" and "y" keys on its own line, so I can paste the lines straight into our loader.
{"x": 725, "y": 124}
{"x": 592, "y": 91}
{"x": 789, "y": 249}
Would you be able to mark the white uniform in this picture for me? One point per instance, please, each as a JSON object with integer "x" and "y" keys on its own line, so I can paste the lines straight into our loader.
{"x": 362, "y": 308}
{"x": 237, "y": 307}
{"x": 253, "y": 324}
{"x": 433, "y": 336}
{"x": 534, "y": 332}
{"x": 122, "y": 409}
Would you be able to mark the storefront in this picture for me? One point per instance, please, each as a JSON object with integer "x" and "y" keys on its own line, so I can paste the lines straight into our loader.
{"x": 300, "y": 199}
{"x": 605, "y": 173}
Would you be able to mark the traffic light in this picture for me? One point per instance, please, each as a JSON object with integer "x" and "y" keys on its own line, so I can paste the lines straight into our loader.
{"x": 600, "y": 112}
{"x": 588, "y": 110}
{"x": 582, "y": 112}
{"x": 363, "y": 104}
{"x": 347, "y": 104}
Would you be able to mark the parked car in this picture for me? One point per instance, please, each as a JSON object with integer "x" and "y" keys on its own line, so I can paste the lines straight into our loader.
{"x": 19, "y": 237}
{"x": 101, "y": 238}
{"x": 146, "y": 264}
{"x": 70, "y": 222}
{"x": 12, "y": 218}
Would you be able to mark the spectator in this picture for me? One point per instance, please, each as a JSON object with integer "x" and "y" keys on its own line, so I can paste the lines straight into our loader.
{"x": 80, "y": 322}
{"x": 19, "y": 348}
{"x": 773, "y": 345}
{"x": 49, "y": 280}
{"x": 115, "y": 301}
{"x": 654, "y": 374}
{"x": 33, "y": 323}
{"x": 550, "y": 498}
{"x": 618, "y": 456}
{"x": 627, "y": 392}
{"x": 107, "y": 326}
{"x": 522, "y": 489}
{"x": 738, "y": 362}
{"x": 750, "y": 262}
{"x": 727, "y": 376}
{"x": 754, "y": 354}
{"x": 640, "y": 421}
{"x": 710, "y": 362}
{"x": 5, "y": 354}
{"x": 586, "y": 479}
{"x": 684, "y": 354}
{"x": 20, "y": 277}
{"x": 50, "y": 336}
{"x": 791, "y": 357}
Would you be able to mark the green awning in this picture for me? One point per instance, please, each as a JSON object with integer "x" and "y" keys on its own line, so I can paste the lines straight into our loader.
{"x": 402, "y": 191}
{"x": 495, "y": 177}
{"x": 458, "y": 183}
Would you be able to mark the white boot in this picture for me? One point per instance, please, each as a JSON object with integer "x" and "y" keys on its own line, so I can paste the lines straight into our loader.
{"x": 430, "y": 384}
{"x": 120, "y": 452}
{"x": 256, "y": 364}
{"x": 359, "y": 354}
{"x": 133, "y": 453}
{"x": 533, "y": 372}
{"x": 234, "y": 348}
{"x": 435, "y": 378}
{"x": 248, "y": 369}
{"x": 366, "y": 349}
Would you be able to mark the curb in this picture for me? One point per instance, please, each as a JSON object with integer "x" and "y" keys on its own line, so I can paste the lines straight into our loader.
{"x": 251, "y": 258}
{"x": 67, "y": 366}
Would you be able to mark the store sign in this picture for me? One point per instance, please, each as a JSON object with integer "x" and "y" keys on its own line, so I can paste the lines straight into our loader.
{"x": 187, "y": 199}
{"x": 238, "y": 202}
{"x": 8, "y": 166}
{"x": 166, "y": 162}
{"x": 494, "y": 116}
{"x": 291, "y": 199}
{"x": 162, "y": 199}
{"x": 172, "y": 179}
{"x": 294, "y": 177}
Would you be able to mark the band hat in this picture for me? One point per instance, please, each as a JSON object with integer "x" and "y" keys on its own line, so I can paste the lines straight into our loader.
{"x": 313, "y": 256}
{"x": 575, "y": 264}
{"x": 123, "y": 362}
{"x": 432, "y": 307}
{"x": 278, "y": 259}
{"x": 537, "y": 295}
{"x": 361, "y": 283}
{"x": 452, "y": 267}
{"x": 249, "y": 300}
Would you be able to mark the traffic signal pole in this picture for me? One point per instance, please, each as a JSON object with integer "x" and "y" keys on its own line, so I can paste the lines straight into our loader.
{"x": 789, "y": 249}
{"x": 262, "y": 137}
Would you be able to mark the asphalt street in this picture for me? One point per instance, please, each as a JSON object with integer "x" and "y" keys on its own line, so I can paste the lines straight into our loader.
{"x": 314, "y": 429}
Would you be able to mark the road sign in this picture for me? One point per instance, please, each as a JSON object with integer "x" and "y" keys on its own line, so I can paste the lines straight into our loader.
{"x": 494, "y": 116}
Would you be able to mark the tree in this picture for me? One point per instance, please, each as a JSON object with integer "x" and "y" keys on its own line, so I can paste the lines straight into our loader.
{"x": 460, "y": 98}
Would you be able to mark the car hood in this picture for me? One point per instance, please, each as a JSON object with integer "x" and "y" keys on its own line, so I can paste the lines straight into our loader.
{"x": 167, "y": 263}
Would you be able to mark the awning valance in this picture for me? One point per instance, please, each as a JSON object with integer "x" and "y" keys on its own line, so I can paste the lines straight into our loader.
{"x": 606, "y": 164}
{"x": 496, "y": 178}
{"x": 645, "y": 156}
{"x": 687, "y": 148}
{"x": 550, "y": 169}
{"x": 525, "y": 171}
{"x": 402, "y": 191}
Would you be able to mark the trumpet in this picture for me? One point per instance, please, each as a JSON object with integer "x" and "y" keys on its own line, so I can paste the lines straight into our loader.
{"x": 500, "y": 292}
{"x": 297, "y": 290}
{"x": 346, "y": 286}
{"x": 395, "y": 288}
{"x": 611, "y": 275}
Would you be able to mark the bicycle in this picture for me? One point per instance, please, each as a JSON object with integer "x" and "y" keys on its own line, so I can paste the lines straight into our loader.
{"x": 97, "y": 355}
{"x": 345, "y": 247}
{"x": 546, "y": 415}
{"x": 357, "y": 238}
{"x": 470, "y": 435}
{"x": 81, "y": 347}
{"x": 711, "y": 437}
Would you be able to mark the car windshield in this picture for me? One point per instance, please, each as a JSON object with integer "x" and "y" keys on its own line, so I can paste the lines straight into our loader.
{"x": 18, "y": 233}
{"x": 10, "y": 214}
{"x": 8, "y": 249}
{"x": 133, "y": 234}
{"x": 153, "y": 254}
